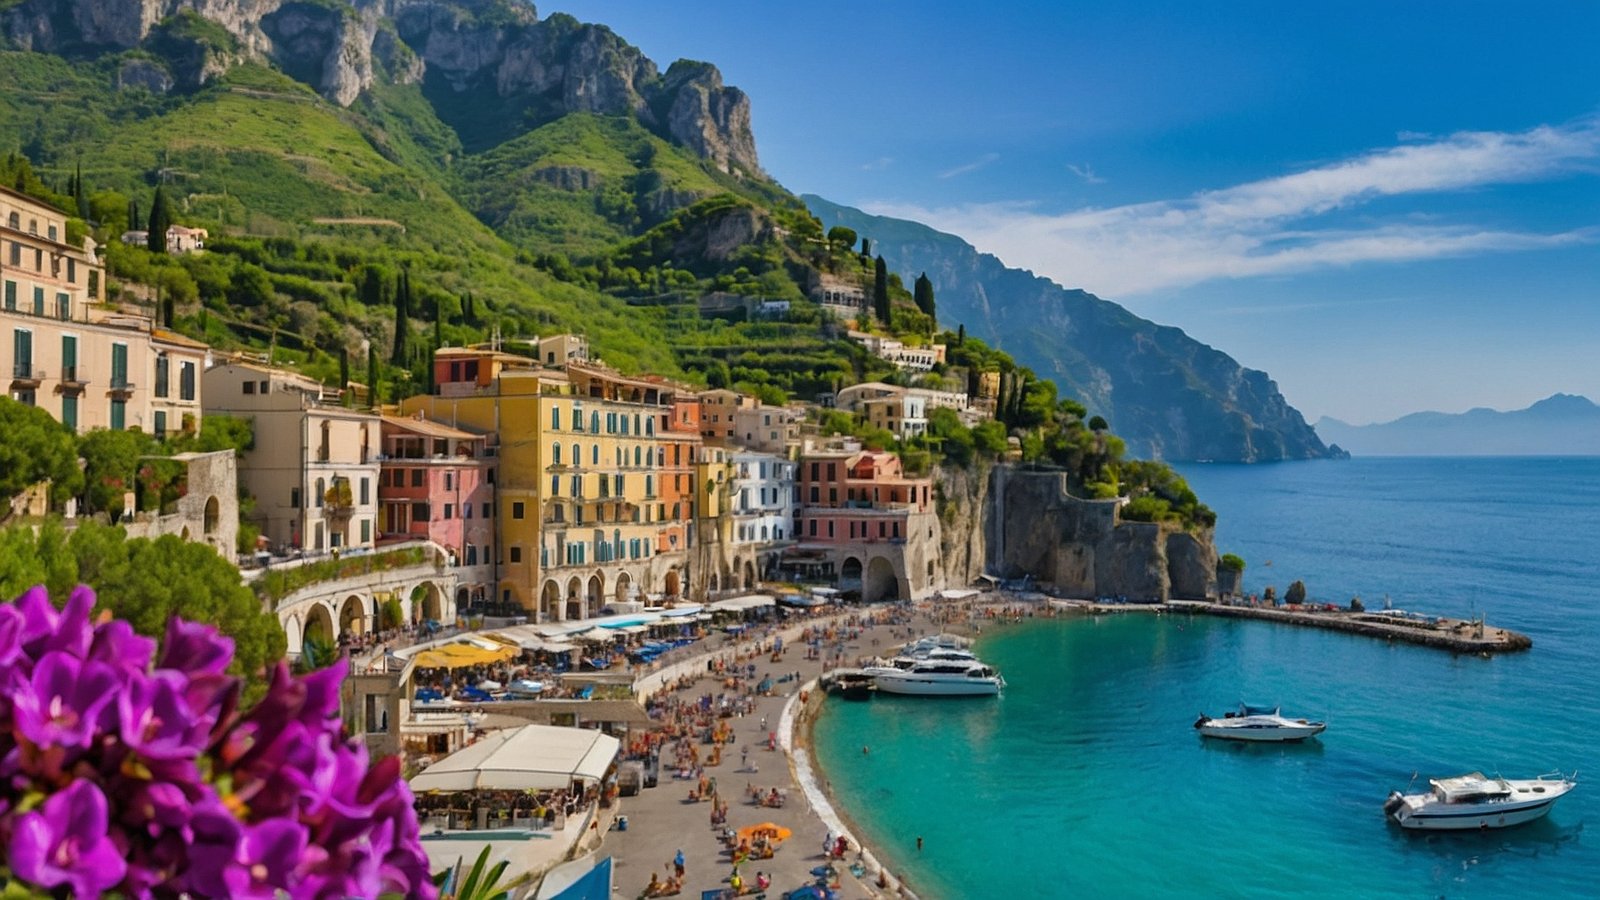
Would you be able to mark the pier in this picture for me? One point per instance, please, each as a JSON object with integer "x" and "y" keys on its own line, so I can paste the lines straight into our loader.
{"x": 1455, "y": 635}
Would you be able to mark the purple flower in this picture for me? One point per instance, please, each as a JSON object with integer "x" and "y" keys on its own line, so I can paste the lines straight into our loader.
{"x": 62, "y": 704}
{"x": 157, "y": 721}
{"x": 116, "y": 645}
{"x": 267, "y": 859}
{"x": 195, "y": 649}
{"x": 64, "y": 842}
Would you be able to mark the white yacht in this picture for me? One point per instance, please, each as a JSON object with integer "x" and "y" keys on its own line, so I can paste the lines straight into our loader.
{"x": 936, "y": 678}
{"x": 1258, "y": 723}
{"x": 1476, "y": 801}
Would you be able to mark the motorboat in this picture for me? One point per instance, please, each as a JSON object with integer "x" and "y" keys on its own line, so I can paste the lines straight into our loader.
{"x": 1477, "y": 801}
{"x": 936, "y": 678}
{"x": 851, "y": 684}
{"x": 1258, "y": 723}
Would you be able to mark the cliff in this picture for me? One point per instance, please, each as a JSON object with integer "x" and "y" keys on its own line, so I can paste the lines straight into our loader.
{"x": 1083, "y": 548}
{"x": 492, "y": 67}
{"x": 1169, "y": 396}
{"x": 966, "y": 517}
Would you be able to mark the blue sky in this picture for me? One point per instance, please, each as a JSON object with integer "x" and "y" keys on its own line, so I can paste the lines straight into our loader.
{"x": 1388, "y": 207}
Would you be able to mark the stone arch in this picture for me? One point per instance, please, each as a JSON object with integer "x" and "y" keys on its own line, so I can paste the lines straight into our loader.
{"x": 550, "y": 601}
{"x": 624, "y": 587}
{"x": 749, "y": 575}
{"x": 881, "y": 582}
{"x": 672, "y": 584}
{"x": 463, "y": 598}
{"x": 850, "y": 569}
{"x": 574, "y": 598}
{"x": 293, "y": 635}
{"x": 426, "y": 603}
{"x": 318, "y": 624}
{"x": 713, "y": 584}
{"x": 213, "y": 513}
{"x": 596, "y": 594}
{"x": 184, "y": 535}
{"x": 354, "y": 616}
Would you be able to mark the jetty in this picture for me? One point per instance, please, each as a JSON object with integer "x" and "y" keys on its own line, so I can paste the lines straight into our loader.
{"x": 1455, "y": 635}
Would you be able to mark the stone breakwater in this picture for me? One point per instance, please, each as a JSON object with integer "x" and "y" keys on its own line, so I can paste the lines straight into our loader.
{"x": 1455, "y": 635}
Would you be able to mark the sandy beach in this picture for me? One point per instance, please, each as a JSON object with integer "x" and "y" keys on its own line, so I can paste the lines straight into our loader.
{"x": 664, "y": 820}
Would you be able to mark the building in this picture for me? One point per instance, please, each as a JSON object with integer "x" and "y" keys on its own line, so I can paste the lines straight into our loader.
{"x": 717, "y": 408}
{"x": 179, "y": 239}
{"x": 560, "y": 349}
{"x": 207, "y": 511}
{"x": 314, "y": 466}
{"x": 907, "y": 357}
{"x": 768, "y": 429}
{"x": 903, "y": 411}
{"x": 847, "y": 299}
{"x": 863, "y": 524}
{"x": 595, "y": 498}
{"x": 436, "y": 483}
{"x": 87, "y": 366}
{"x": 761, "y": 496}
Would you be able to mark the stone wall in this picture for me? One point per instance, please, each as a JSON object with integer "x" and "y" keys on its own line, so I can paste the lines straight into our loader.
{"x": 1083, "y": 549}
{"x": 208, "y": 512}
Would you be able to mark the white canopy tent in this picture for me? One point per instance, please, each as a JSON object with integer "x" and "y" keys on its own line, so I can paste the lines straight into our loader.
{"x": 533, "y": 757}
{"x": 740, "y": 604}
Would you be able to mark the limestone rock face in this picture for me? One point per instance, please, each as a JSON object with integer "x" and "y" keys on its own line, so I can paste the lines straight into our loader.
{"x": 557, "y": 65}
{"x": 144, "y": 73}
{"x": 1083, "y": 548}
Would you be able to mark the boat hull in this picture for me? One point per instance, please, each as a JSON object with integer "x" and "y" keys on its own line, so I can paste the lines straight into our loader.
{"x": 1263, "y": 734}
{"x": 933, "y": 687}
{"x": 1475, "y": 820}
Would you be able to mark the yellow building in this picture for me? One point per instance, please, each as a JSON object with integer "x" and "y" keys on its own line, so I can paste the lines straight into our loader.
{"x": 583, "y": 500}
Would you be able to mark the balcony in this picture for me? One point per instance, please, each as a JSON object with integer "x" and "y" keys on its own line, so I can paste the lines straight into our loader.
{"x": 121, "y": 386}
{"x": 73, "y": 379}
{"x": 25, "y": 377}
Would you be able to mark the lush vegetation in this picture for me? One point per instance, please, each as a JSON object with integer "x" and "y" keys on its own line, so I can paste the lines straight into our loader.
{"x": 276, "y": 584}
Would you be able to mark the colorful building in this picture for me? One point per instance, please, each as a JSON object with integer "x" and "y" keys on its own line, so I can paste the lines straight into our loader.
{"x": 436, "y": 484}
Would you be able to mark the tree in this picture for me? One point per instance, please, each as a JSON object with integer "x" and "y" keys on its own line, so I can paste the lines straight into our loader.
{"x": 866, "y": 247}
{"x": 1098, "y": 424}
{"x": 1296, "y": 594}
{"x": 841, "y": 238}
{"x": 344, "y": 375}
{"x": 372, "y": 374}
{"x": 880, "y": 290}
{"x": 1231, "y": 562}
{"x": 36, "y": 447}
{"x": 111, "y": 463}
{"x": 961, "y": 335}
{"x": 922, "y": 293}
{"x": 402, "y": 321}
{"x": 160, "y": 221}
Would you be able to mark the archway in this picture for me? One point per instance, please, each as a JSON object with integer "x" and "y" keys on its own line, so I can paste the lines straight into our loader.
{"x": 463, "y": 598}
{"x": 713, "y": 586}
{"x": 292, "y": 635}
{"x": 624, "y": 591}
{"x": 550, "y": 602}
{"x": 671, "y": 584}
{"x": 881, "y": 583}
{"x": 319, "y": 625}
{"x": 353, "y": 615}
{"x": 213, "y": 513}
{"x": 425, "y": 603}
{"x": 749, "y": 575}
{"x": 850, "y": 573}
{"x": 574, "y": 598}
{"x": 597, "y": 593}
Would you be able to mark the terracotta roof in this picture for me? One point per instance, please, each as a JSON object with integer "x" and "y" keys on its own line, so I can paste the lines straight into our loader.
{"x": 428, "y": 427}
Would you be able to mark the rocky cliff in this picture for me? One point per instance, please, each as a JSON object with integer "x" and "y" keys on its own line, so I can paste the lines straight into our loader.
{"x": 1169, "y": 396}
{"x": 1082, "y": 547}
{"x": 965, "y": 520}
{"x": 508, "y": 69}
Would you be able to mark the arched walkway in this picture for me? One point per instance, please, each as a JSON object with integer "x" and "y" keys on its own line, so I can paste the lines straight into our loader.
{"x": 319, "y": 625}
{"x": 550, "y": 602}
{"x": 597, "y": 593}
{"x": 574, "y": 598}
{"x": 212, "y": 515}
{"x": 624, "y": 591}
{"x": 426, "y": 604}
{"x": 671, "y": 586}
{"x": 354, "y": 618}
{"x": 292, "y": 635}
{"x": 749, "y": 575}
{"x": 850, "y": 570}
{"x": 880, "y": 583}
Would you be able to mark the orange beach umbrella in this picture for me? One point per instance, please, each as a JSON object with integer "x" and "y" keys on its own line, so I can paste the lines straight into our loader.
{"x": 774, "y": 833}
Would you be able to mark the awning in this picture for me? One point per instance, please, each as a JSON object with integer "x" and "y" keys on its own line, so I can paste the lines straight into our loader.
{"x": 633, "y": 629}
{"x": 739, "y": 604}
{"x": 533, "y": 757}
{"x": 680, "y": 611}
{"x": 965, "y": 594}
{"x": 455, "y": 656}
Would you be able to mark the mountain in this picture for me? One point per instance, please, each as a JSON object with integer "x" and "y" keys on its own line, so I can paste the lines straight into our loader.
{"x": 1168, "y": 395}
{"x": 1559, "y": 425}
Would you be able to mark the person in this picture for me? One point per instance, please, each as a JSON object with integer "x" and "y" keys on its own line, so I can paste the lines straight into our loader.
{"x": 654, "y": 887}
{"x": 736, "y": 882}
{"x": 762, "y": 881}
{"x": 677, "y": 861}
{"x": 919, "y": 843}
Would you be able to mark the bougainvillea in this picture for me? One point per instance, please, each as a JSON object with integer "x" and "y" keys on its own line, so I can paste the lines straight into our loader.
{"x": 125, "y": 773}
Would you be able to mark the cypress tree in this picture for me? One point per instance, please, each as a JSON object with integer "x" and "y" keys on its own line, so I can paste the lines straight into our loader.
{"x": 469, "y": 310}
{"x": 402, "y": 320}
{"x": 438, "y": 325}
{"x": 880, "y": 289}
{"x": 372, "y": 374}
{"x": 160, "y": 221}
{"x": 866, "y": 247}
{"x": 80, "y": 194}
{"x": 961, "y": 334}
{"x": 344, "y": 375}
{"x": 923, "y": 294}
{"x": 169, "y": 310}
{"x": 133, "y": 213}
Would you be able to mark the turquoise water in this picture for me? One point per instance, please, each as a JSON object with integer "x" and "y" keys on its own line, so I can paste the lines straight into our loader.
{"x": 1086, "y": 778}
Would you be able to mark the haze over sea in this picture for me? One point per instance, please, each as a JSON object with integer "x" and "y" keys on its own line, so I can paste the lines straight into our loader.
{"x": 1086, "y": 779}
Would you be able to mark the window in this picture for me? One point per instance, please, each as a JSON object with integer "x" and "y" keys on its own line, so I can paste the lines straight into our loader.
{"x": 263, "y": 388}
{"x": 22, "y": 353}
{"x": 161, "y": 423}
{"x": 449, "y": 510}
{"x": 555, "y": 453}
{"x": 466, "y": 510}
{"x": 594, "y": 422}
{"x": 50, "y": 232}
{"x": 472, "y": 555}
{"x": 366, "y": 531}
{"x": 516, "y": 553}
{"x": 162, "y": 375}
{"x": 449, "y": 481}
{"x": 294, "y": 498}
{"x": 595, "y": 454}
{"x": 249, "y": 387}
{"x": 322, "y": 493}
{"x": 186, "y": 381}
{"x": 366, "y": 491}
{"x": 94, "y": 284}
{"x": 417, "y": 477}
{"x": 813, "y": 527}
{"x": 38, "y": 301}
{"x": 419, "y": 512}
{"x": 488, "y": 510}
{"x": 516, "y": 510}
{"x": 69, "y": 411}
{"x": 119, "y": 366}
{"x": 11, "y": 295}
{"x": 555, "y": 418}
{"x": 63, "y": 307}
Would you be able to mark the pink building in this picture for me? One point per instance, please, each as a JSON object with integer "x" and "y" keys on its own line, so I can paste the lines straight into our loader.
{"x": 861, "y": 496}
{"x": 437, "y": 484}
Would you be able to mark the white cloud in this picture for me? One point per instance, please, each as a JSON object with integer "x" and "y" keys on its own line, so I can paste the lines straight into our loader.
{"x": 879, "y": 164}
{"x": 973, "y": 166}
{"x": 1086, "y": 172}
{"x": 1271, "y": 226}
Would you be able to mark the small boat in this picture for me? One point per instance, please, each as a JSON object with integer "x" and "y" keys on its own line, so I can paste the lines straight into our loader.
{"x": 1477, "y": 801}
{"x": 1258, "y": 723}
{"x": 932, "y": 678}
{"x": 525, "y": 689}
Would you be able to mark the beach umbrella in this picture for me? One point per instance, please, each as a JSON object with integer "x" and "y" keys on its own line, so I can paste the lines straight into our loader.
{"x": 772, "y": 832}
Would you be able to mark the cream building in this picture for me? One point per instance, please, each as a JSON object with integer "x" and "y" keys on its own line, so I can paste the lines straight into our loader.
{"x": 314, "y": 467}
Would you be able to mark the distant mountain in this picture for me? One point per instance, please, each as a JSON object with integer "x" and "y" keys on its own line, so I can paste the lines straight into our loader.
{"x": 1168, "y": 395}
{"x": 1559, "y": 425}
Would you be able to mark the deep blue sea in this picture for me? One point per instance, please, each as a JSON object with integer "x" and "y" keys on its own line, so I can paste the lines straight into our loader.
{"x": 1087, "y": 779}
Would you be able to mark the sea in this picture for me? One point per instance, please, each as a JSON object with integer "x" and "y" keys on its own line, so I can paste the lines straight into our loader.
{"x": 1087, "y": 779}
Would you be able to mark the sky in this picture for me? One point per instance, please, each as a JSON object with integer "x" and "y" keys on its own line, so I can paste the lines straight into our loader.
{"x": 1388, "y": 207}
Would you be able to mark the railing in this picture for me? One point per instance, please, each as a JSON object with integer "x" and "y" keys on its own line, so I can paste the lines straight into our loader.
{"x": 24, "y": 371}
{"x": 73, "y": 375}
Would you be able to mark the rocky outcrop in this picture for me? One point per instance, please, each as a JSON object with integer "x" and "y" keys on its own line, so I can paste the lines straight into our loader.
{"x": 965, "y": 518}
{"x": 1083, "y": 549}
{"x": 544, "y": 68}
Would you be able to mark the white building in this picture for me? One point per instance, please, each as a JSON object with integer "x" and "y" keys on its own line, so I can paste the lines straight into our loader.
{"x": 761, "y": 499}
